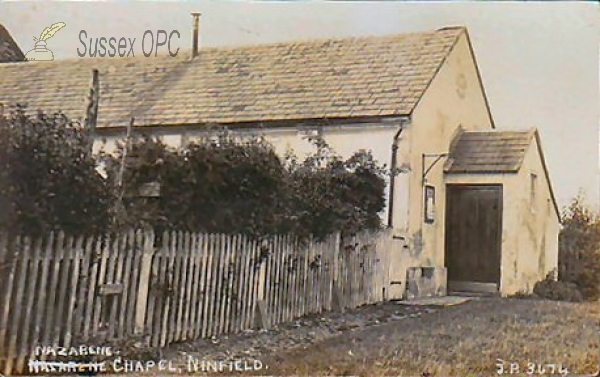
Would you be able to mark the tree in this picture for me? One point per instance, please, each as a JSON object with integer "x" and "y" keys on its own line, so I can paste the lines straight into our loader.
{"x": 48, "y": 179}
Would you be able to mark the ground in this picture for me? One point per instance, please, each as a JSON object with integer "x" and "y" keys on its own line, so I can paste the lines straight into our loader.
{"x": 468, "y": 338}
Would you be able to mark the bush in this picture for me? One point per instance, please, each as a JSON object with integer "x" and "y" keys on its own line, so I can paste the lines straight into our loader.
{"x": 226, "y": 185}
{"x": 579, "y": 249}
{"x": 48, "y": 179}
{"x": 589, "y": 277}
{"x": 331, "y": 194}
{"x": 557, "y": 290}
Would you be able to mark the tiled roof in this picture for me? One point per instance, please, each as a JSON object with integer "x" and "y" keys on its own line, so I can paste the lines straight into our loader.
{"x": 336, "y": 78}
{"x": 488, "y": 152}
{"x": 9, "y": 50}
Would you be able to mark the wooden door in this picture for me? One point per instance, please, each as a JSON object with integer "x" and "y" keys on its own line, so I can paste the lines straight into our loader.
{"x": 473, "y": 235}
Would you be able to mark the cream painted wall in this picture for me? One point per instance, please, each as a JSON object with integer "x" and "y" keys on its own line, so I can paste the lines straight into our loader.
{"x": 454, "y": 98}
{"x": 533, "y": 228}
{"x": 529, "y": 229}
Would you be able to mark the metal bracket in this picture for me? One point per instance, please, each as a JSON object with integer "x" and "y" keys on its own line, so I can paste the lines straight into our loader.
{"x": 426, "y": 170}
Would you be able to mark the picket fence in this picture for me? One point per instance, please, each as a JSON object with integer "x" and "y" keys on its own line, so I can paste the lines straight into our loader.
{"x": 176, "y": 286}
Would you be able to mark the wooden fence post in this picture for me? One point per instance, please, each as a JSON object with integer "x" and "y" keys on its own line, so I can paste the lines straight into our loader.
{"x": 144, "y": 285}
{"x": 7, "y": 267}
{"x": 261, "y": 316}
{"x": 337, "y": 302}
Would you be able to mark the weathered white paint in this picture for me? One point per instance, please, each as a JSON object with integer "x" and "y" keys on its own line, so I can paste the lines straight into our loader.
{"x": 529, "y": 228}
{"x": 454, "y": 98}
{"x": 534, "y": 228}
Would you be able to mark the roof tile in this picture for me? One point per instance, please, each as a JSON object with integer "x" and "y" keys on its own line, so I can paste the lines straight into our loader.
{"x": 347, "y": 77}
{"x": 488, "y": 152}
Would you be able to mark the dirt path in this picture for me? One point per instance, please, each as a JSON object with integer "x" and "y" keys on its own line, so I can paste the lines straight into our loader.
{"x": 299, "y": 334}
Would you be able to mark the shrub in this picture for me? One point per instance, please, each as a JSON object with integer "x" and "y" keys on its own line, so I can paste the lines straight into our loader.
{"x": 331, "y": 194}
{"x": 589, "y": 277}
{"x": 48, "y": 179}
{"x": 579, "y": 249}
{"x": 227, "y": 185}
{"x": 557, "y": 290}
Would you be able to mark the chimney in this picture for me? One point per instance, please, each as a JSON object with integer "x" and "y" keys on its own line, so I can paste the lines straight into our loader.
{"x": 196, "y": 16}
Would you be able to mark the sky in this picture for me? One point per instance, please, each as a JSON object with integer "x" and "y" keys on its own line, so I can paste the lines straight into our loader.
{"x": 539, "y": 62}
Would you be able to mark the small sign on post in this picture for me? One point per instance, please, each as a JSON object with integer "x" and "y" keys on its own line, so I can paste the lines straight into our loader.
{"x": 110, "y": 289}
{"x": 149, "y": 190}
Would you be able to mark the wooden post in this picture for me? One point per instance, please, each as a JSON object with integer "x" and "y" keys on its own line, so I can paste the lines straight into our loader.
{"x": 337, "y": 302}
{"x": 119, "y": 209}
{"x": 75, "y": 254}
{"x": 124, "y": 158}
{"x": 13, "y": 325}
{"x": 144, "y": 282}
{"x": 261, "y": 318}
{"x": 6, "y": 283}
{"x": 91, "y": 114}
{"x": 261, "y": 315}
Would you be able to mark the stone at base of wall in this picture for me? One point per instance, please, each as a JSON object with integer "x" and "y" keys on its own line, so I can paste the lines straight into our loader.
{"x": 426, "y": 282}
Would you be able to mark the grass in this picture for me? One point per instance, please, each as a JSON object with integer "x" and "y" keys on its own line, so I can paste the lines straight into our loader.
{"x": 464, "y": 340}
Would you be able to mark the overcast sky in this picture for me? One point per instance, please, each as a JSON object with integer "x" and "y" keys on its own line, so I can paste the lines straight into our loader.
{"x": 538, "y": 61}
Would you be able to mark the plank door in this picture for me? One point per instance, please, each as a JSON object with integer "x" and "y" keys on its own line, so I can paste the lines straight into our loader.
{"x": 473, "y": 236}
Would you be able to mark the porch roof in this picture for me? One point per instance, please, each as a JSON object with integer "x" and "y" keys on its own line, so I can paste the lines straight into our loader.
{"x": 495, "y": 152}
{"x": 488, "y": 152}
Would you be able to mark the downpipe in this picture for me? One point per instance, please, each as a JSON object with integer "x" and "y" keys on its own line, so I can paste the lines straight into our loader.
{"x": 393, "y": 167}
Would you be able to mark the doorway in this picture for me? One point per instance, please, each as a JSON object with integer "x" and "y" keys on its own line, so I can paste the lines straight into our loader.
{"x": 473, "y": 237}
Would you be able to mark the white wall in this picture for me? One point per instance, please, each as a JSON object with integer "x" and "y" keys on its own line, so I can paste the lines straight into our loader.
{"x": 454, "y": 98}
{"x": 533, "y": 227}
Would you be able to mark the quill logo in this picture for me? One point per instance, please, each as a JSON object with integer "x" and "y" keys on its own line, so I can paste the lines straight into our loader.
{"x": 40, "y": 51}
